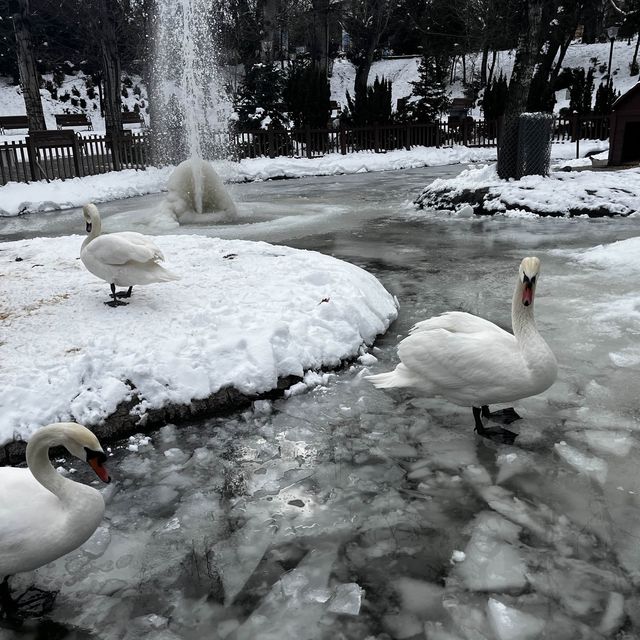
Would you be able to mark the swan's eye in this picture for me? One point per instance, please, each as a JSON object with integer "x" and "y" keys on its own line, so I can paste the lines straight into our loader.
{"x": 100, "y": 456}
{"x": 525, "y": 278}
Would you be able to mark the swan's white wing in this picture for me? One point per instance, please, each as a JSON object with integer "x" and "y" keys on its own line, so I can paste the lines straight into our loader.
{"x": 456, "y": 322}
{"x": 471, "y": 363}
{"x": 120, "y": 248}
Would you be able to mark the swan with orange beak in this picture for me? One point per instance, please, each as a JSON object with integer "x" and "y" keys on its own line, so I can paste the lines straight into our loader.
{"x": 474, "y": 363}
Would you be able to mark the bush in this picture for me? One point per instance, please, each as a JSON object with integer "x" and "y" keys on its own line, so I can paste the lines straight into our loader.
{"x": 136, "y": 108}
{"x": 634, "y": 69}
{"x": 606, "y": 95}
{"x": 258, "y": 101}
{"x": 64, "y": 97}
{"x": 50, "y": 87}
{"x": 125, "y": 92}
{"x": 373, "y": 107}
{"x": 83, "y": 103}
{"x": 74, "y": 102}
{"x": 58, "y": 76}
{"x": 75, "y": 91}
{"x": 429, "y": 97}
{"x": 91, "y": 92}
{"x": 581, "y": 91}
{"x": 137, "y": 91}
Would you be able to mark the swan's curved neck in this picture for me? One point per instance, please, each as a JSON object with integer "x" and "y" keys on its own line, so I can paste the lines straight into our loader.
{"x": 40, "y": 465}
{"x": 96, "y": 226}
{"x": 522, "y": 320}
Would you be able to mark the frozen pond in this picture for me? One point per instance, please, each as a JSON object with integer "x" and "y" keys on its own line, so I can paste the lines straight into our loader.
{"x": 351, "y": 513}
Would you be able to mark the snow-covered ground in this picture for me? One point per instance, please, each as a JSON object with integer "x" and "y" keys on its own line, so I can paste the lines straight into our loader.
{"x": 595, "y": 193}
{"x": 18, "y": 198}
{"x": 243, "y": 315}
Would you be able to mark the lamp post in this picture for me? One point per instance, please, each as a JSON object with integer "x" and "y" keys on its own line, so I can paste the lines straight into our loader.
{"x": 612, "y": 32}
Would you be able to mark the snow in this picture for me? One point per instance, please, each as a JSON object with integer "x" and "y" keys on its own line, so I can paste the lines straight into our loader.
{"x": 17, "y": 198}
{"x": 559, "y": 194}
{"x": 621, "y": 256}
{"x": 243, "y": 315}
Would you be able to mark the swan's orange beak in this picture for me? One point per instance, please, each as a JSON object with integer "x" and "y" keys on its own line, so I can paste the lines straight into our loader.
{"x": 527, "y": 294}
{"x": 100, "y": 470}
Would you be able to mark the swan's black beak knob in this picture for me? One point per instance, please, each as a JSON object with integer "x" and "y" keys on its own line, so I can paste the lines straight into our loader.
{"x": 88, "y": 227}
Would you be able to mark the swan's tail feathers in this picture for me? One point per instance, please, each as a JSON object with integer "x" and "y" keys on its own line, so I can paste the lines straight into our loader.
{"x": 399, "y": 377}
{"x": 167, "y": 276}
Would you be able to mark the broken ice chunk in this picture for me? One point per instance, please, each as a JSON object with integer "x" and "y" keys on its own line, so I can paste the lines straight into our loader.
{"x": 367, "y": 359}
{"x": 97, "y": 544}
{"x": 423, "y": 599}
{"x": 512, "y": 624}
{"x": 595, "y": 468}
{"x": 346, "y": 599}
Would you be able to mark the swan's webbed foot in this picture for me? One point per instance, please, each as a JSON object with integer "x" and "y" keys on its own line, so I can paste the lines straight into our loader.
{"x": 34, "y": 602}
{"x": 115, "y": 302}
{"x": 124, "y": 294}
{"x": 502, "y": 416}
{"x": 497, "y": 434}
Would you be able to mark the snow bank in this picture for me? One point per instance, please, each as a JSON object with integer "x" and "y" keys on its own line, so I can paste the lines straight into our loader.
{"x": 592, "y": 193}
{"x": 243, "y": 315}
{"x": 623, "y": 256}
{"x": 18, "y": 198}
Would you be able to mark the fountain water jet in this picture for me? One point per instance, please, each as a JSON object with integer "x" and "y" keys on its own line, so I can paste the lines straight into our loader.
{"x": 188, "y": 98}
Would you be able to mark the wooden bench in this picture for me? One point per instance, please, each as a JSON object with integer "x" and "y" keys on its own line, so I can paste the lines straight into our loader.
{"x": 13, "y": 122}
{"x": 73, "y": 120}
{"x": 132, "y": 117}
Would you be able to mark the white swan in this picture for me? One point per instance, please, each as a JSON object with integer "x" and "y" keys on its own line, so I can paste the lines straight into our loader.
{"x": 42, "y": 514}
{"x": 473, "y": 362}
{"x": 122, "y": 259}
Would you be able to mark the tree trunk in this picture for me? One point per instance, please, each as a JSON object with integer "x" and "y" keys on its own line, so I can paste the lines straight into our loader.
{"x": 29, "y": 76}
{"x": 111, "y": 78}
{"x": 483, "y": 65}
{"x": 319, "y": 40}
{"x": 269, "y": 43}
{"x": 494, "y": 54}
{"x": 634, "y": 61}
{"x": 523, "y": 66}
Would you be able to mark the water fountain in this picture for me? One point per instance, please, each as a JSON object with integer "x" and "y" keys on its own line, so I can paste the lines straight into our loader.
{"x": 189, "y": 104}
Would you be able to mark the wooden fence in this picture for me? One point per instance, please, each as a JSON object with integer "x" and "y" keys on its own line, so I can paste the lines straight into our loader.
{"x": 68, "y": 155}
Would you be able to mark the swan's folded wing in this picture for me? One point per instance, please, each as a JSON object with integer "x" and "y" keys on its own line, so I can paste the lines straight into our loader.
{"x": 457, "y": 360}
{"x": 117, "y": 249}
{"x": 456, "y": 322}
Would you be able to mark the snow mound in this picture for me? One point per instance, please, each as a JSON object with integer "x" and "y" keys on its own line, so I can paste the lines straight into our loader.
{"x": 243, "y": 315}
{"x": 621, "y": 256}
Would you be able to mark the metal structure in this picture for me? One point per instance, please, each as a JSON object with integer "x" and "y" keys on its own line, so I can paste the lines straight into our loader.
{"x": 534, "y": 144}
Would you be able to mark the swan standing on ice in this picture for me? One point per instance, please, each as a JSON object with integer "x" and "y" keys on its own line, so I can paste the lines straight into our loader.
{"x": 473, "y": 362}
{"x": 42, "y": 514}
{"x": 122, "y": 259}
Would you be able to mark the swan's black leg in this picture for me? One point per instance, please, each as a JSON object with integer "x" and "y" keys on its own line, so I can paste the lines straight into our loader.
{"x": 125, "y": 294}
{"x": 504, "y": 416}
{"x": 34, "y": 602}
{"x": 496, "y": 434}
{"x": 115, "y": 302}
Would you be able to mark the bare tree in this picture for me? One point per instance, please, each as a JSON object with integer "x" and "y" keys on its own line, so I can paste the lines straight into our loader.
{"x": 107, "y": 15}
{"x": 29, "y": 76}
{"x": 365, "y": 21}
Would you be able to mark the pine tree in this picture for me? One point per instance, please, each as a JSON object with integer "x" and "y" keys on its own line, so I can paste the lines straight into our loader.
{"x": 429, "y": 97}
{"x": 495, "y": 98}
{"x": 307, "y": 95}
{"x": 373, "y": 107}
{"x": 258, "y": 102}
{"x": 606, "y": 95}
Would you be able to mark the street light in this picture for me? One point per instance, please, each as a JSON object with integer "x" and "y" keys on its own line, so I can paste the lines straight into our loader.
{"x": 612, "y": 32}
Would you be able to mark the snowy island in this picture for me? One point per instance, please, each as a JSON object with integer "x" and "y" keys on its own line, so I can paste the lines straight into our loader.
{"x": 244, "y": 318}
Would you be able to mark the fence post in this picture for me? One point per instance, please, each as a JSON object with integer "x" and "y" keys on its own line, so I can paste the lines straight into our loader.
{"x": 307, "y": 135}
{"x": 343, "y": 141}
{"x": 271, "y": 138}
{"x": 407, "y": 145}
{"x": 465, "y": 132}
{"x": 376, "y": 137}
{"x": 437, "y": 127}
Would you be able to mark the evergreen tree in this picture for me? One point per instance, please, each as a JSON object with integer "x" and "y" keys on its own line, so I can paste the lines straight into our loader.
{"x": 581, "y": 91}
{"x": 372, "y": 107}
{"x": 307, "y": 95}
{"x": 606, "y": 95}
{"x": 429, "y": 97}
{"x": 258, "y": 102}
{"x": 495, "y": 98}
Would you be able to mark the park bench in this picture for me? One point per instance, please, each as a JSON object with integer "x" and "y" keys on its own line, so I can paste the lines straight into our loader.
{"x": 13, "y": 122}
{"x": 132, "y": 117}
{"x": 73, "y": 120}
